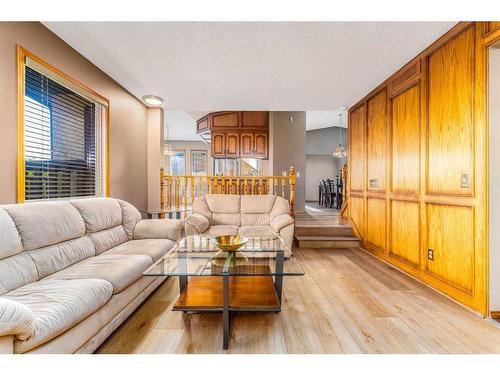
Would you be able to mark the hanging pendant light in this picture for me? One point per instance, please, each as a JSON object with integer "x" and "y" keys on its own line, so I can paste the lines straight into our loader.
{"x": 340, "y": 151}
{"x": 168, "y": 149}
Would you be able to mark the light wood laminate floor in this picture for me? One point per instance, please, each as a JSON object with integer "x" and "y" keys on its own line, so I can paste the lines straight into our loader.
{"x": 348, "y": 302}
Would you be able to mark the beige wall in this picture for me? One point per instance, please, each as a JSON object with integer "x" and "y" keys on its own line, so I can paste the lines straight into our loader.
{"x": 318, "y": 167}
{"x": 155, "y": 156}
{"x": 288, "y": 148}
{"x": 128, "y": 116}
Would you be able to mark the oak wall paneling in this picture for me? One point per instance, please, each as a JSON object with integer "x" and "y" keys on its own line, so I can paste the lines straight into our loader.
{"x": 357, "y": 121}
{"x": 405, "y": 232}
{"x": 405, "y": 130}
{"x": 377, "y": 142}
{"x": 376, "y": 217}
{"x": 450, "y": 107}
{"x": 451, "y": 237}
{"x": 422, "y": 135}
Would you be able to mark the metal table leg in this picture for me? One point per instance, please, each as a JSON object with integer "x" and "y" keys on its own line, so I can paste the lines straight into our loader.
{"x": 278, "y": 278}
{"x": 183, "y": 279}
{"x": 226, "y": 314}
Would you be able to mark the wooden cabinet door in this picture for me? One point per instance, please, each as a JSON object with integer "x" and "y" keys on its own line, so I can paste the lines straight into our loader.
{"x": 218, "y": 145}
{"x": 261, "y": 146}
{"x": 247, "y": 145}
{"x": 255, "y": 119}
{"x": 225, "y": 120}
{"x": 232, "y": 145}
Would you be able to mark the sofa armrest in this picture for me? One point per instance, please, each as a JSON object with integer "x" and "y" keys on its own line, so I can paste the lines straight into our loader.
{"x": 281, "y": 221}
{"x": 16, "y": 319}
{"x": 196, "y": 224}
{"x": 158, "y": 228}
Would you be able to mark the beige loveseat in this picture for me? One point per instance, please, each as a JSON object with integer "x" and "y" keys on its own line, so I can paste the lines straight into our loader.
{"x": 247, "y": 215}
{"x": 71, "y": 272}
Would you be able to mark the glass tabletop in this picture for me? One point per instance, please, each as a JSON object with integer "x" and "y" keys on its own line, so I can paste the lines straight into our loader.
{"x": 199, "y": 256}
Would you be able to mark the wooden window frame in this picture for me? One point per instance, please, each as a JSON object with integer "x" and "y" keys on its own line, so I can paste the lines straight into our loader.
{"x": 22, "y": 54}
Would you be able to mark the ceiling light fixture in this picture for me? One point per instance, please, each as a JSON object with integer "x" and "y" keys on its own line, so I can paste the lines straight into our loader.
{"x": 152, "y": 100}
{"x": 168, "y": 149}
{"x": 340, "y": 151}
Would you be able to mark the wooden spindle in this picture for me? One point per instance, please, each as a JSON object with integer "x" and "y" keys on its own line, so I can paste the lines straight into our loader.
{"x": 193, "y": 191}
{"x": 292, "y": 190}
{"x": 178, "y": 195}
{"x": 162, "y": 193}
{"x": 186, "y": 192}
{"x": 170, "y": 197}
{"x": 275, "y": 180}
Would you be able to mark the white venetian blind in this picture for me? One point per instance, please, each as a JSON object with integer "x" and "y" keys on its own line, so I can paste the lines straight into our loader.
{"x": 64, "y": 141}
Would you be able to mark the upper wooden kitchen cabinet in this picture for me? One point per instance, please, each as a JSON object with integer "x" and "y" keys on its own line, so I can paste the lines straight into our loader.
{"x": 236, "y": 134}
{"x": 261, "y": 149}
{"x": 254, "y": 145}
{"x": 218, "y": 144}
{"x": 246, "y": 145}
{"x": 255, "y": 119}
{"x": 224, "y": 120}
{"x": 232, "y": 145}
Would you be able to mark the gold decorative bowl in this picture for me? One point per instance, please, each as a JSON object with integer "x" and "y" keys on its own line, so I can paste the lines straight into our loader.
{"x": 230, "y": 243}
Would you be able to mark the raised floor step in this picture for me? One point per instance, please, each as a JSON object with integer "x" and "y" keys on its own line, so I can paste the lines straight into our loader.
{"x": 334, "y": 230}
{"x": 329, "y": 242}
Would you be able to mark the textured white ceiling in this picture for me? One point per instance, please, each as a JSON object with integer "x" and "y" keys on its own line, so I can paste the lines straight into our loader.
{"x": 202, "y": 66}
{"x": 324, "y": 119}
{"x": 180, "y": 126}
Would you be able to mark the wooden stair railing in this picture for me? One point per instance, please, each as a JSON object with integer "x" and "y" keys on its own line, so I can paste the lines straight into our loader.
{"x": 179, "y": 192}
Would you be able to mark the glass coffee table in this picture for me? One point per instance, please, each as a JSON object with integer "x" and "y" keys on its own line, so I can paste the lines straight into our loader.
{"x": 248, "y": 280}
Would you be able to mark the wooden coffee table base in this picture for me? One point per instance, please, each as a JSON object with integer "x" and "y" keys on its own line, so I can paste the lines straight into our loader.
{"x": 229, "y": 294}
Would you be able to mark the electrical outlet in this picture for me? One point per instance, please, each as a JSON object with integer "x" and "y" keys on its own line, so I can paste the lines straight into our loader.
{"x": 464, "y": 181}
{"x": 430, "y": 254}
{"x": 373, "y": 183}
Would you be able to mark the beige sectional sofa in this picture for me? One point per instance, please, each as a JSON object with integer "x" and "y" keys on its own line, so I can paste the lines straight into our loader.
{"x": 247, "y": 215}
{"x": 71, "y": 272}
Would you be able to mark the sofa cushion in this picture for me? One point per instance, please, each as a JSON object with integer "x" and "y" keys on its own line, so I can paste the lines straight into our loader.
{"x": 155, "y": 248}
{"x": 16, "y": 319}
{"x": 257, "y": 204}
{"x": 120, "y": 270}
{"x": 57, "y": 305}
{"x": 108, "y": 238}
{"x": 99, "y": 213}
{"x": 131, "y": 216}
{"x": 256, "y": 231}
{"x": 254, "y": 219}
{"x": 221, "y": 230}
{"x": 10, "y": 240}
{"x": 223, "y": 218}
{"x": 54, "y": 258}
{"x": 43, "y": 224}
{"x": 223, "y": 203}
{"x": 16, "y": 271}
